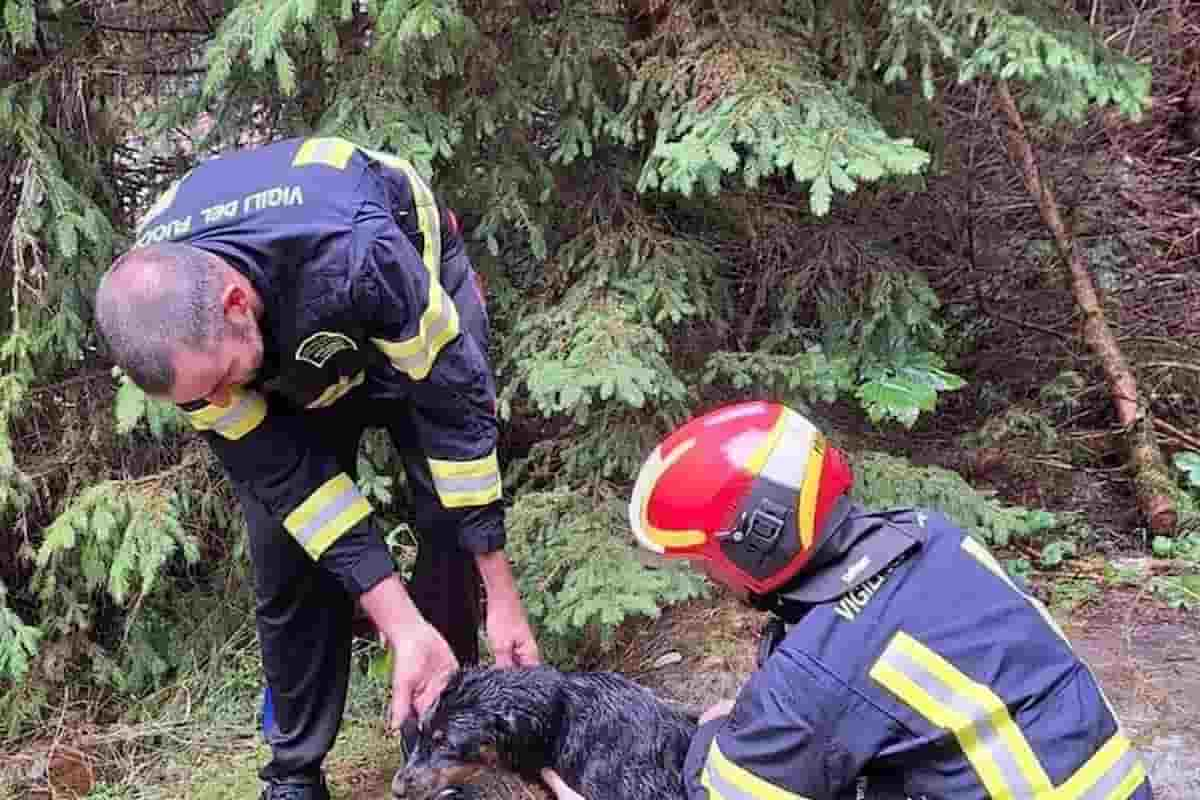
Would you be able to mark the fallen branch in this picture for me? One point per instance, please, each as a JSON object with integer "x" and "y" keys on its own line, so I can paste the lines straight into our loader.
{"x": 1185, "y": 438}
{"x": 1150, "y": 477}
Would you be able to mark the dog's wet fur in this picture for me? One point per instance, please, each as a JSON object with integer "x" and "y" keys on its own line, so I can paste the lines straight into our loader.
{"x": 608, "y": 737}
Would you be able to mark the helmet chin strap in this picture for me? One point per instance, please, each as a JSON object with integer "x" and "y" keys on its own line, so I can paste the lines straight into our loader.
{"x": 834, "y": 540}
{"x": 856, "y": 547}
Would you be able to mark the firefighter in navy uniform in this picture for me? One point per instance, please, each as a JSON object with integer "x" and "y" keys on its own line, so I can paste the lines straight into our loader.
{"x": 344, "y": 299}
{"x": 911, "y": 667}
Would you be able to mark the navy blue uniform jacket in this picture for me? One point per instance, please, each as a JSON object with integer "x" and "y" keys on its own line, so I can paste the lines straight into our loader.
{"x": 937, "y": 679}
{"x": 355, "y": 264}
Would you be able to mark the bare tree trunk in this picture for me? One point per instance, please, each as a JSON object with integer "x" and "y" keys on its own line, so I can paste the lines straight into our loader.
{"x": 1145, "y": 459}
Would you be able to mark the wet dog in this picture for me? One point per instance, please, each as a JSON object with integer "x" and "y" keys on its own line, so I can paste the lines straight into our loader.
{"x": 608, "y": 737}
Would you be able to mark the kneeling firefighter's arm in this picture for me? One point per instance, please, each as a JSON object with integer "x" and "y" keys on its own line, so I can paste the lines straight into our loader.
{"x": 268, "y": 454}
{"x": 784, "y": 740}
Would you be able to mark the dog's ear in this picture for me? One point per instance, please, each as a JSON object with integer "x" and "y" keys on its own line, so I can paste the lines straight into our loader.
{"x": 523, "y": 743}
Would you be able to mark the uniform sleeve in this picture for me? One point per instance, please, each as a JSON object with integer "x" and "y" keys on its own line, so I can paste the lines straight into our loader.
{"x": 411, "y": 319}
{"x": 268, "y": 454}
{"x": 795, "y": 733}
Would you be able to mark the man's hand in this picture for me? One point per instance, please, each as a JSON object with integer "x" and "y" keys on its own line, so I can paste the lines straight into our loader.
{"x": 508, "y": 631}
{"x": 422, "y": 661}
{"x": 510, "y": 637}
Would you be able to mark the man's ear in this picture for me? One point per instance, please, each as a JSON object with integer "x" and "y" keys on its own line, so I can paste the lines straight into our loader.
{"x": 235, "y": 301}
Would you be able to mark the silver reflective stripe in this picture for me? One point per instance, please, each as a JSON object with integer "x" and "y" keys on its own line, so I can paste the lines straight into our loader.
{"x": 724, "y": 789}
{"x": 989, "y": 738}
{"x": 324, "y": 151}
{"x": 233, "y": 417}
{"x": 329, "y": 512}
{"x": 417, "y": 363}
{"x": 448, "y": 486}
{"x": 1107, "y": 784}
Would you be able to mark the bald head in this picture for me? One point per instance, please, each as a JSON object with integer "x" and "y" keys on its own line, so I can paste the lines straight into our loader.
{"x": 154, "y": 299}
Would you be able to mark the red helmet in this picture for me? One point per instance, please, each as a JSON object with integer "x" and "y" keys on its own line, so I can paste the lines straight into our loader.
{"x": 747, "y": 488}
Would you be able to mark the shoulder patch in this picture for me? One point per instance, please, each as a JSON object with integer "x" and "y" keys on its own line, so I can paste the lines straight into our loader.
{"x": 321, "y": 346}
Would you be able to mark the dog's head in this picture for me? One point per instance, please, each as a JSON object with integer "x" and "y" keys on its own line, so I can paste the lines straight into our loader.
{"x": 484, "y": 718}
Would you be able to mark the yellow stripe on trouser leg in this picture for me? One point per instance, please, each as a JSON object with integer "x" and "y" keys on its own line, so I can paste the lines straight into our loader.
{"x": 328, "y": 513}
{"x": 461, "y": 484}
{"x": 725, "y": 780}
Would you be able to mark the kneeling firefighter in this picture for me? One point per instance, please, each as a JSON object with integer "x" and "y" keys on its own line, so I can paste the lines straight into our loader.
{"x": 904, "y": 662}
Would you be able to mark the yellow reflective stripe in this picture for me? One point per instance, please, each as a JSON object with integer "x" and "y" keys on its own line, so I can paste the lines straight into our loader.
{"x": 429, "y": 221}
{"x": 984, "y": 557}
{"x": 461, "y": 484}
{"x": 979, "y": 720}
{"x": 163, "y": 202}
{"x": 438, "y": 326}
{"x": 330, "y": 511}
{"x": 330, "y": 152}
{"x": 1113, "y": 773}
{"x": 725, "y": 780}
{"x": 807, "y": 504}
{"x": 335, "y": 391}
{"x": 245, "y": 412}
{"x": 439, "y": 323}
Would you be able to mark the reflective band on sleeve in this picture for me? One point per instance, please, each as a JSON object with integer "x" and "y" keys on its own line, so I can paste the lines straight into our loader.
{"x": 330, "y": 152}
{"x": 328, "y": 513}
{"x": 1114, "y": 773}
{"x": 439, "y": 322}
{"x": 244, "y": 414}
{"x": 461, "y": 484}
{"x": 438, "y": 326}
{"x": 336, "y": 391}
{"x": 981, "y": 554}
{"x": 979, "y": 720}
{"x": 997, "y": 749}
{"x": 725, "y": 780}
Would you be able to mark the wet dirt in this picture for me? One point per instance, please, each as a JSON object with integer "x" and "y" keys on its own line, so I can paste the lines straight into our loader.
{"x": 1147, "y": 658}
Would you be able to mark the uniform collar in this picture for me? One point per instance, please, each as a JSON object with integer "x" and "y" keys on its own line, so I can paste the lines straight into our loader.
{"x": 860, "y": 546}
